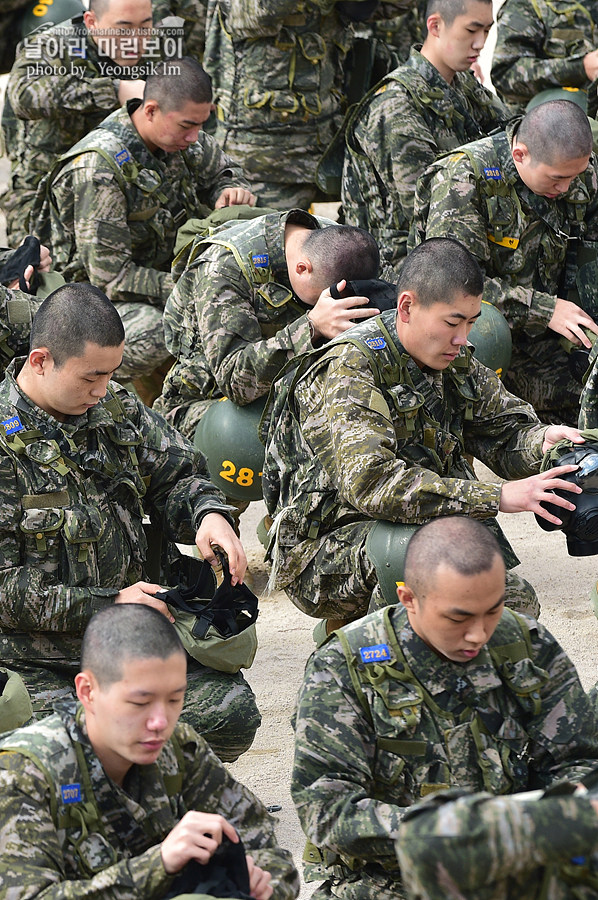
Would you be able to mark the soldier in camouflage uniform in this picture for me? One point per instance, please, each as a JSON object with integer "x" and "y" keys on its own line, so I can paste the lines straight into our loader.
{"x": 277, "y": 72}
{"x": 427, "y": 106}
{"x": 379, "y": 425}
{"x": 478, "y": 847}
{"x": 78, "y": 474}
{"x": 120, "y": 194}
{"x": 193, "y": 14}
{"x": 542, "y": 45}
{"x": 63, "y": 83}
{"x": 522, "y": 202}
{"x": 111, "y": 798}
{"x": 448, "y": 689}
{"x": 252, "y": 296}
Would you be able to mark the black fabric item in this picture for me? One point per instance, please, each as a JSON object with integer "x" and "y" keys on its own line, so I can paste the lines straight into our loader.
{"x": 28, "y": 254}
{"x": 3, "y": 681}
{"x": 231, "y": 609}
{"x": 356, "y": 11}
{"x": 381, "y": 294}
{"x": 224, "y": 875}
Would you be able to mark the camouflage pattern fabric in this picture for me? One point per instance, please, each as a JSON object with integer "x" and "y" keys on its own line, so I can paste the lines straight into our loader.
{"x": 277, "y": 75}
{"x": 373, "y": 448}
{"x": 232, "y": 320}
{"x": 520, "y": 239}
{"x": 74, "y": 495}
{"x": 395, "y": 133}
{"x": 120, "y": 856}
{"x": 119, "y": 232}
{"x": 396, "y": 25}
{"x": 16, "y": 314}
{"x": 588, "y": 406}
{"x": 363, "y": 756}
{"x": 47, "y": 111}
{"x": 541, "y": 45}
{"x": 193, "y": 13}
{"x": 480, "y": 847}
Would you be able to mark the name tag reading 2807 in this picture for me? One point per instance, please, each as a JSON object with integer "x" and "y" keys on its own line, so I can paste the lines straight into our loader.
{"x": 375, "y": 653}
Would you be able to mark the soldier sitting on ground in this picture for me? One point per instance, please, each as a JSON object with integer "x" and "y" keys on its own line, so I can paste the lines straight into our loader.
{"x": 253, "y": 297}
{"x": 543, "y": 46}
{"x": 119, "y": 196}
{"x": 378, "y": 425}
{"x": 479, "y": 847}
{"x": 525, "y": 203}
{"x": 64, "y": 81}
{"x": 113, "y": 797}
{"x": 426, "y": 106}
{"x": 445, "y": 689}
{"x": 81, "y": 463}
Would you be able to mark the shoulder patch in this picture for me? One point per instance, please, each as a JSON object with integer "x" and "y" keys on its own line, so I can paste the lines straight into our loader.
{"x": 493, "y": 173}
{"x": 122, "y": 156}
{"x": 260, "y": 260}
{"x": 376, "y": 343}
{"x": 12, "y": 425}
{"x": 375, "y": 653}
{"x": 71, "y": 793}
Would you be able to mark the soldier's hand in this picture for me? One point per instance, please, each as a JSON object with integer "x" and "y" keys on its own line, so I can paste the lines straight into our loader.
{"x": 130, "y": 90}
{"x": 556, "y": 433}
{"x": 590, "y": 64}
{"x": 259, "y": 881}
{"x": 197, "y": 836}
{"x": 569, "y": 320}
{"x": 215, "y": 531}
{"x": 45, "y": 259}
{"x": 527, "y": 494}
{"x": 143, "y": 592}
{"x": 235, "y": 196}
{"x": 332, "y": 316}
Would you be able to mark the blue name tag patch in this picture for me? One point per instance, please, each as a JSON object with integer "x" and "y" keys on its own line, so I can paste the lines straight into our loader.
{"x": 71, "y": 793}
{"x": 375, "y": 343}
{"x": 493, "y": 174}
{"x": 260, "y": 260}
{"x": 122, "y": 156}
{"x": 375, "y": 653}
{"x": 13, "y": 425}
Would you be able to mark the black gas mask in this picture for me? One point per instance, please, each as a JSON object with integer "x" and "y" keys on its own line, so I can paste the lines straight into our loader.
{"x": 581, "y": 524}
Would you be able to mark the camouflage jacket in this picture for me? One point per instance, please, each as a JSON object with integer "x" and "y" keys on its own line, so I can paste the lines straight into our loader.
{"x": 368, "y": 746}
{"x": 193, "y": 16}
{"x": 277, "y": 74}
{"x": 476, "y": 196}
{"x": 365, "y": 434}
{"x": 115, "y": 207}
{"x": 60, "y": 87}
{"x": 397, "y": 130}
{"x": 16, "y": 314}
{"x": 73, "y": 497}
{"x": 541, "y": 45}
{"x": 462, "y": 845}
{"x": 119, "y": 858}
{"x": 232, "y": 320}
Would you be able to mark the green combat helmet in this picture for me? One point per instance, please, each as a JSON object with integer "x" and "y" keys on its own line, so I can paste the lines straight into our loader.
{"x": 227, "y": 436}
{"x": 491, "y": 339}
{"x": 386, "y": 546}
{"x": 15, "y": 705}
{"x": 45, "y": 13}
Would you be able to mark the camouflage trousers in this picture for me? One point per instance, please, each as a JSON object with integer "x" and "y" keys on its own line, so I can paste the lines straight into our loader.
{"x": 339, "y": 581}
{"x": 287, "y": 195}
{"x": 221, "y": 707}
{"x": 16, "y": 205}
{"x": 145, "y": 349}
{"x": 539, "y": 373}
{"x": 360, "y": 885}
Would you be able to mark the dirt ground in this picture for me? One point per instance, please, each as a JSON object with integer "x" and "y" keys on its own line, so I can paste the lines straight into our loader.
{"x": 563, "y": 585}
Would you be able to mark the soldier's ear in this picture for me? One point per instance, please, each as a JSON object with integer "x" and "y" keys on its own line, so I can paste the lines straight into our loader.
{"x": 90, "y": 20}
{"x": 433, "y": 24}
{"x": 85, "y": 685}
{"x": 406, "y": 596}
{"x": 39, "y": 359}
{"x": 405, "y": 305}
{"x": 520, "y": 153}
